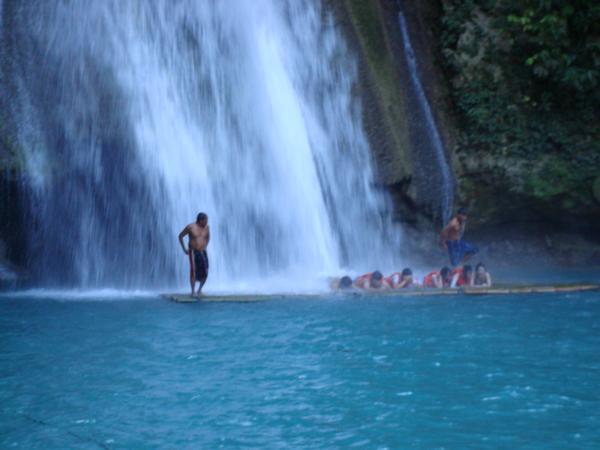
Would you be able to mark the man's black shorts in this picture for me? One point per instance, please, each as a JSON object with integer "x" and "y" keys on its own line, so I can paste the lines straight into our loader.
{"x": 200, "y": 265}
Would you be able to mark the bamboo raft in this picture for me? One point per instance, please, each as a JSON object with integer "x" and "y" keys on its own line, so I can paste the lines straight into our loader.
{"x": 418, "y": 292}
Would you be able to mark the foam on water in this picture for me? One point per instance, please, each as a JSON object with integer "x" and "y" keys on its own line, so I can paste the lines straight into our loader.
{"x": 78, "y": 294}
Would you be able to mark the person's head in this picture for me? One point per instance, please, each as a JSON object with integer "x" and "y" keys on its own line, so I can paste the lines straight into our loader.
{"x": 461, "y": 214}
{"x": 468, "y": 271}
{"x": 376, "y": 279}
{"x": 202, "y": 219}
{"x": 406, "y": 274}
{"x": 445, "y": 274}
{"x": 480, "y": 269}
{"x": 345, "y": 282}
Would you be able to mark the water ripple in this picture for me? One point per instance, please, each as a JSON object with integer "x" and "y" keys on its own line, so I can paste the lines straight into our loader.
{"x": 306, "y": 375}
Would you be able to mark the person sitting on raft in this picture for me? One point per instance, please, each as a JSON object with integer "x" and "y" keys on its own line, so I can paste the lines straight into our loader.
{"x": 341, "y": 284}
{"x": 462, "y": 276}
{"x": 451, "y": 238}
{"x": 401, "y": 280}
{"x": 371, "y": 281}
{"x": 482, "y": 277}
{"x": 441, "y": 279}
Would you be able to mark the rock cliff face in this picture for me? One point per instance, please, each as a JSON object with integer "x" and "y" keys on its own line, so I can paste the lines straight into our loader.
{"x": 12, "y": 219}
{"x": 520, "y": 168}
{"x": 12, "y": 236}
{"x": 405, "y": 165}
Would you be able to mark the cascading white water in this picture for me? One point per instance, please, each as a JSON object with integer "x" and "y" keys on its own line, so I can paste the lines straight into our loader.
{"x": 138, "y": 115}
{"x": 433, "y": 134}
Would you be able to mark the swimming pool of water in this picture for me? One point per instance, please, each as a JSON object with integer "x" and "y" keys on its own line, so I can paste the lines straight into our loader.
{"x": 331, "y": 372}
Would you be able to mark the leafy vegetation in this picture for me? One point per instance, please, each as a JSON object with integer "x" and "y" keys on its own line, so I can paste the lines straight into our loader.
{"x": 525, "y": 77}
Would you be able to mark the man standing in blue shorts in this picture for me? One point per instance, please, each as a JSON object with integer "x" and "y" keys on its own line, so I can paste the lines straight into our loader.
{"x": 451, "y": 238}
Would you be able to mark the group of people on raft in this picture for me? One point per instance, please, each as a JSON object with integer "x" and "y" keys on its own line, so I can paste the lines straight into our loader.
{"x": 461, "y": 274}
{"x": 451, "y": 239}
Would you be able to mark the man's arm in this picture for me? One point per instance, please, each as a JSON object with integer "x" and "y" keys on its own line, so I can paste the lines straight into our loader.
{"x": 442, "y": 241}
{"x": 184, "y": 233}
{"x": 437, "y": 281}
{"x": 207, "y": 234}
{"x": 444, "y": 234}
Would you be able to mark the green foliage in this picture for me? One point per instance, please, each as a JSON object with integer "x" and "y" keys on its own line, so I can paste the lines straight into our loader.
{"x": 525, "y": 75}
{"x": 555, "y": 40}
{"x": 555, "y": 179}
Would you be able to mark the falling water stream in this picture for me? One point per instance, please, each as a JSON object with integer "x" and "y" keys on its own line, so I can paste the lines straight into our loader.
{"x": 137, "y": 115}
{"x": 446, "y": 185}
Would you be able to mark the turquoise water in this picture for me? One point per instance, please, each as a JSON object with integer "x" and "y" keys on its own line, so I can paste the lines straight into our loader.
{"x": 337, "y": 372}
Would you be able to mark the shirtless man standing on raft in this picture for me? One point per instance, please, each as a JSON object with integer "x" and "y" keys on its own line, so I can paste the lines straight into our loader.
{"x": 451, "y": 238}
{"x": 199, "y": 236}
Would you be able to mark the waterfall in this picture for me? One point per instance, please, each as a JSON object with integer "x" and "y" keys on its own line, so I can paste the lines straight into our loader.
{"x": 134, "y": 116}
{"x": 446, "y": 188}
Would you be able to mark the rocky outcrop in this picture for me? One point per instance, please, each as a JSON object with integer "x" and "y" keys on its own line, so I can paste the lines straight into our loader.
{"x": 391, "y": 110}
{"x": 516, "y": 183}
{"x": 497, "y": 181}
{"x": 12, "y": 235}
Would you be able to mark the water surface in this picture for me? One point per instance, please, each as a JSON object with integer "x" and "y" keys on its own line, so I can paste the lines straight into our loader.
{"x": 334, "y": 372}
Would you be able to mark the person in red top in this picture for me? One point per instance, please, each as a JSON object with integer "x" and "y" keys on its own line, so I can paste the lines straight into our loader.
{"x": 401, "y": 280}
{"x": 439, "y": 279}
{"x": 462, "y": 276}
{"x": 371, "y": 281}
